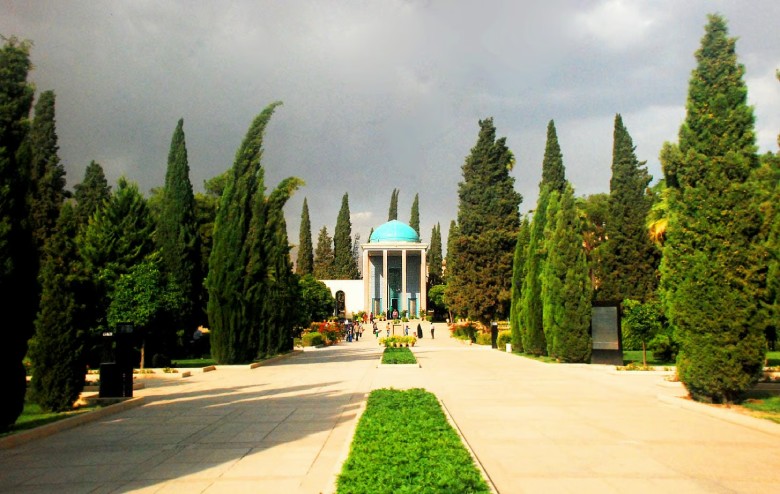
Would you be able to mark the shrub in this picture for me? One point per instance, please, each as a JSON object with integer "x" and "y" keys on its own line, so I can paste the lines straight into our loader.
{"x": 464, "y": 331}
{"x": 504, "y": 337}
{"x": 484, "y": 339}
{"x": 312, "y": 339}
{"x": 398, "y": 356}
{"x": 396, "y": 341}
{"x": 159, "y": 360}
{"x": 664, "y": 347}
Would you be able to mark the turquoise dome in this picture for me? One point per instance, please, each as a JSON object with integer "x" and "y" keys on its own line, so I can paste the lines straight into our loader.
{"x": 394, "y": 231}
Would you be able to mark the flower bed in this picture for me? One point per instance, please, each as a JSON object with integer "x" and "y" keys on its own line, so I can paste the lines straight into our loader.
{"x": 398, "y": 341}
{"x": 398, "y": 356}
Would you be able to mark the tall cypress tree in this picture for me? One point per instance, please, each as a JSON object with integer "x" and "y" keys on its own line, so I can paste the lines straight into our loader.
{"x": 177, "y": 230}
{"x": 452, "y": 238}
{"x": 18, "y": 265}
{"x": 245, "y": 272}
{"x": 323, "y": 257}
{"x": 343, "y": 262}
{"x": 414, "y": 218}
{"x": 518, "y": 278}
{"x": 305, "y": 264}
{"x": 57, "y": 348}
{"x": 479, "y": 286}
{"x": 714, "y": 260}
{"x": 92, "y": 193}
{"x": 553, "y": 180}
{"x": 629, "y": 260}
{"x": 47, "y": 175}
{"x": 392, "y": 213}
{"x": 566, "y": 286}
{"x": 434, "y": 257}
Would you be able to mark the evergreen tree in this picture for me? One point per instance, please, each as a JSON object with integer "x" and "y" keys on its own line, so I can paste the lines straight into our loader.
{"x": 566, "y": 286}
{"x": 47, "y": 175}
{"x": 479, "y": 286}
{"x": 57, "y": 348}
{"x": 18, "y": 264}
{"x": 249, "y": 276}
{"x": 92, "y": 193}
{"x": 177, "y": 230}
{"x": 714, "y": 260}
{"x": 392, "y": 213}
{"x": 316, "y": 300}
{"x": 356, "y": 254}
{"x": 628, "y": 259}
{"x": 414, "y": 218}
{"x": 518, "y": 277}
{"x": 434, "y": 257}
{"x": 452, "y": 238}
{"x": 553, "y": 180}
{"x": 305, "y": 264}
{"x": 323, "y": 257}
{"x": 343, "y": 262}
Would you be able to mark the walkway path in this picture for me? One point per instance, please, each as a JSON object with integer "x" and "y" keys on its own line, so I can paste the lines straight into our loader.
{"x": 286, "y": 428}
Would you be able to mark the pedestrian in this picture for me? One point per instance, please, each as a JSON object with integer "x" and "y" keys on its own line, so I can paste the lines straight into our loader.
{"x": 388, "y": 329}
{"x": 371, "y": 318}
{"x": 432, "y": 330}
{"x": 406, "y": 330}
{"x": 419, "y": 331}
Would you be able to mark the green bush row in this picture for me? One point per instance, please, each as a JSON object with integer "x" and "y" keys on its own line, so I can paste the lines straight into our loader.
{"x": 391, "y": 341}
{"x": 398, "y": 356}
{"x": 312, "y": 339}
{"x": 403, "y": 443}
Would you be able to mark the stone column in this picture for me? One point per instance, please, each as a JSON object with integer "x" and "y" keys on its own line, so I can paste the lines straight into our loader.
{"x": 404, "y": 304}
{"x": 383, "y": 292}
{"x": 423, "y": 284}
{"x": 367, "y": 293}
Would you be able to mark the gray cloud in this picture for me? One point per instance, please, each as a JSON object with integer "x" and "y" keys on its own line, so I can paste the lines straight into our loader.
{"x": 378, "y": 94}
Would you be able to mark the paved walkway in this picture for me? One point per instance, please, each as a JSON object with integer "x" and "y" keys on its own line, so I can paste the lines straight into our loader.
{"x": 286, "y": 428}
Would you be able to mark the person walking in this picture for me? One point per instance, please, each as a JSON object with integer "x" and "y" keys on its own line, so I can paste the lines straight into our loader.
{"x": 432, "y": 328}
{"x": 388, "y": 329}
{"x": 406, "y": 330}
{"x": 419, "y": 331}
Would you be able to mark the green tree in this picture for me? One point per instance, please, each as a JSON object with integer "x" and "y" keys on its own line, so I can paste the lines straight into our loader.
{"x": 343, "y": 262}
{"x": 566, "y": 286}
{"x": 58, "y": 346}
{"x": 316, "y": 300}
{"x": 206, "y": 206}
{"x": 305, "y": 264}
{"x": 628, "y": 259}
{"x": 714, "y": 259}
{"x": 250, "y": 281}
{"x": 642, "y": 321}
{"x": 18, "y": 265}
{"x": 177, "y": 231}
{"x": 323, "y": 257}
{"x": 593, "y": 210}
{"x": 392, "y": 213}
{"x": 553, "y": 180}
{"x": 47, "y": 175}
{"x": 480, "y": 263}
{"x": 452, "y": 238}
{"x": 434, "y": 257}
{"x": 414, "y": 218}
{"x": 518, "y": 277}
{"x": 92, "y": 193}
{"x": 437, "y": 301}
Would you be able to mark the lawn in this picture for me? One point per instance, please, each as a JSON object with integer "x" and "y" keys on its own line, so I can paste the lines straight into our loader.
{"x": 400, "y": 355}
{"x": 32, "y": 416}
{"x": 636, "y": 356}
{"x": 193, "y": 362}
{"x": 403, "y": 443}
{"x": 765, "y": 408}
{"x": 773, "y": 359}
{"x": 540, "y": 358}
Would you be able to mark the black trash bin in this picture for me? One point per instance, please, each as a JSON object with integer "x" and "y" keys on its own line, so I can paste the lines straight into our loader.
{"x": 116, "y": 377}
{"x": 110, "y": 380}
{"x": 494, "y": 334}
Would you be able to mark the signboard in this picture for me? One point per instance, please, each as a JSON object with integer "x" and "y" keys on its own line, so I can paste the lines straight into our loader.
{"x": 605, "y": 325}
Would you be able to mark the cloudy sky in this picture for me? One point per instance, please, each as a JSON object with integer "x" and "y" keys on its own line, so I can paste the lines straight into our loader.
{"x": 378, "y": 94}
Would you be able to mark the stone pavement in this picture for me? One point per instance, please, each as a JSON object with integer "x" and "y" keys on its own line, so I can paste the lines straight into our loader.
{"x": 286, "y": 427}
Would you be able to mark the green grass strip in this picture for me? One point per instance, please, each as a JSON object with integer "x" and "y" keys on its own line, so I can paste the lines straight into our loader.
{"x": 193, "y": 362}
{"x": 404, "y": 444}
{"x": 401, "y": 355}
{"x": 766, "y": 408}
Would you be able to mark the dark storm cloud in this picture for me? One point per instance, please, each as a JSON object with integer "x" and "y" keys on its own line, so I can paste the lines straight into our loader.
{"x": 378, "y": 95}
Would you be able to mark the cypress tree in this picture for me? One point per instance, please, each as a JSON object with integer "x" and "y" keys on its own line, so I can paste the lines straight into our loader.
{"x": 452, "y": 238}
{"x": 434, "y": 257}
{"x": 414, "y": 218}
{"x": 518, "y": 277}
{"x": 18, "y": 264}
{"x": 245, "y": 274}
{"x": 47, "y": 176}
{"x": 92, "y": 193}
{"x": 343, "y": 262}
{"x": 305, "y": 264}
{"x": 479, "y": 286}
{"x": 712, "y": 272}
{"x": 392, "y": 213}
{"x": 629, "y": 260}
{"x": 323, "y": 257}
{"x": 57, "y": 348}
{"x": 177, "y": 230}
{"x": 553, "y": 180}
{"x": 566, "y": 286}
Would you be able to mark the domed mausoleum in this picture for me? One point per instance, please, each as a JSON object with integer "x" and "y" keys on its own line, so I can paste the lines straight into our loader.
{"x": 394, "y": 270}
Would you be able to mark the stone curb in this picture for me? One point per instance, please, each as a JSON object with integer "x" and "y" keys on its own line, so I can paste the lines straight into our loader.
{"x": 727, "y": 415}
{"x": 62, "y": 425}
{"x": 277, "y": 358}
{"x": 465, "y": 442}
